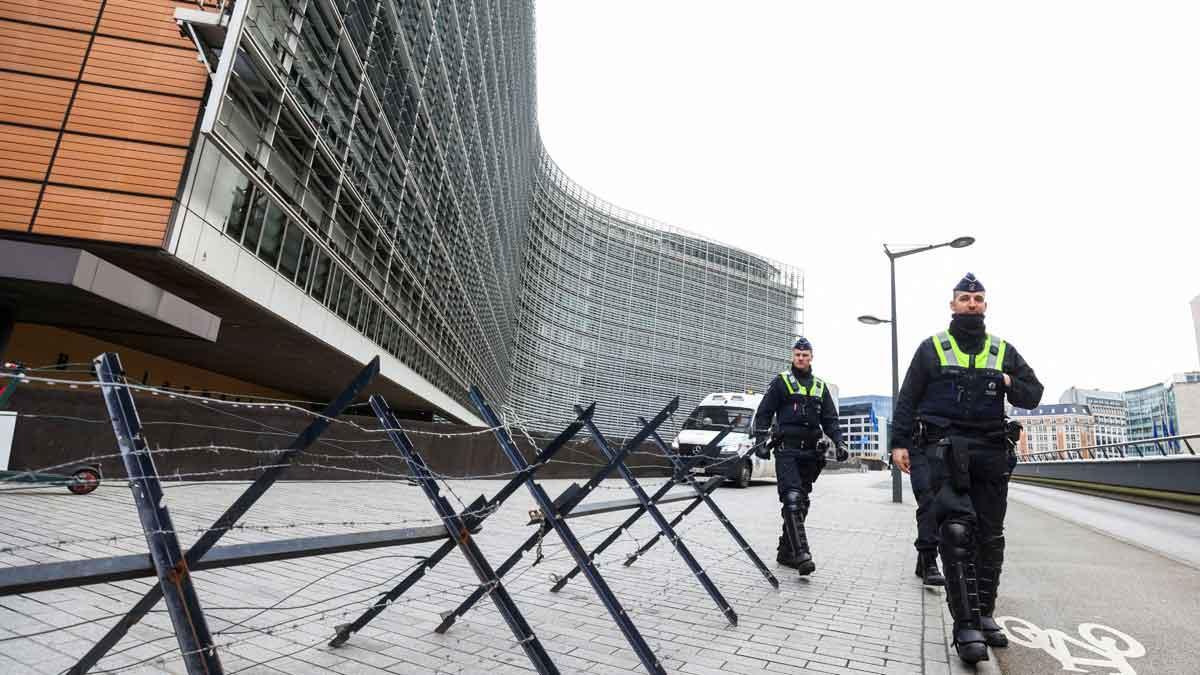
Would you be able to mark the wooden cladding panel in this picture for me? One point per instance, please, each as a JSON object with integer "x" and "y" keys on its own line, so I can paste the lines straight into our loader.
{"x": 29, "y": 99}
{"x": 77, "y": 14}
{"x": 41, "y": 51}
{"x": 93, "y": 214}
{"x": 110, "y": 164}
{"x": 149, "y": 20}
{"x": 16, "y": 204}
{"x": 133, "y": 115}
{"x": 148, "y": 67}
{"x": 25, "y": 153}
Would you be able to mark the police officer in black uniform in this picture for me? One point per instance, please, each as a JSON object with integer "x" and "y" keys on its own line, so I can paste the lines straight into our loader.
{"x": 950, "y": 413}
{"x": 802, "y": 407}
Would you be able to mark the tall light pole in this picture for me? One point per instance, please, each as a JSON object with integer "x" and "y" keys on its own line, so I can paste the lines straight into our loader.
{"x": 960, "y": 242}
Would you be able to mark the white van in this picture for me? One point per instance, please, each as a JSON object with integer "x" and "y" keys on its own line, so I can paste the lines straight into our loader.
{"x": 734, "y": 458}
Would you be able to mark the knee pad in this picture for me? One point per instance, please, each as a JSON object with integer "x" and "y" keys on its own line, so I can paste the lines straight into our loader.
{"x": 958, "y": 539}
{"x": 795, "y": 501}
{"x": 991, "y": 550}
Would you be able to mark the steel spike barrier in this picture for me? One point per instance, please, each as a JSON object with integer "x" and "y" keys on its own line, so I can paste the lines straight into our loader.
{"x": 174, "y": 577}
{"x": 233, "y": 513}
{"x": 665, "y": 527}
{"x": 702, "y": 494}
{"x": 550, "y": 510}
{"x": 478, "y": 511}
{"x": 460, "y": 533}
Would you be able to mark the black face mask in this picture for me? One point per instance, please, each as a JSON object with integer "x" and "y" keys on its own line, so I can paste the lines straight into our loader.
{"x": 967, "y": 326}
{"x": 802, "y": 373}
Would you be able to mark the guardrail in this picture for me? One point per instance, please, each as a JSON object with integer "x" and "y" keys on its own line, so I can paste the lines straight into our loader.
{"x": 1165, "y": 446}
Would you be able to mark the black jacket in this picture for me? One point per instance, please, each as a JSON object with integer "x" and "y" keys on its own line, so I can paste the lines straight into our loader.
{"x": 777, "y": 404}
{"x": 1025, "y": 391}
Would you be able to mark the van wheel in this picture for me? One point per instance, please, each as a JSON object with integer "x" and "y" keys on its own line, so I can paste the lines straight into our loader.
{"x": 743, "y": 474}
{"x": 84, "y": 481}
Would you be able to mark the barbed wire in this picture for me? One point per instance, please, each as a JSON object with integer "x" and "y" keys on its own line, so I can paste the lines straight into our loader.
{"x": 349, "y": 455}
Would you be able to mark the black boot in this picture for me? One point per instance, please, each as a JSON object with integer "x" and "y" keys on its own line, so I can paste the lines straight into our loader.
{"x": 786, "y": 556}
{"x": 991, "y": 559}
{"x": 962, "y": 591}
{"x": 928, "y": 570}
{"x": 793, "y": 513}
{"x": 804, "y": 561}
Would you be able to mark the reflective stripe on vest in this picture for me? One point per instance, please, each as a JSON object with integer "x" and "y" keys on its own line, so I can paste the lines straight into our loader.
{"x": 794, "y": 386}
{"x": 991, "y": 358}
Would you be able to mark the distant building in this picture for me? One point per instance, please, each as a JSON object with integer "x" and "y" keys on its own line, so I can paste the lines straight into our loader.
{"x": 865, "y": 422}
{"x": 1185, "y": 399}
{"x": 1109, "y": 409}
{"x": 1151, "y": 412}
{"x": 1062, "y": 427}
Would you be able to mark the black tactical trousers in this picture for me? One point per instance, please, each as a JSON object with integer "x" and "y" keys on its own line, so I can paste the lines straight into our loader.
{"x": 983, "y": 505}
{"x": 921, "y": 479}
{"x": 970, "y": 528}
{"x": 795, "y": 471}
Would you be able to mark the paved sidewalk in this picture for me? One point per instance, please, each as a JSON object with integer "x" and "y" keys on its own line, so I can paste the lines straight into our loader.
{"x": 863, "y": 611}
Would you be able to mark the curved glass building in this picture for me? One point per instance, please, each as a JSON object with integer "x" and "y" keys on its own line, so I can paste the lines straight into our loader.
{"x": 627, "y": 311}
{"x": 335, "y": 179}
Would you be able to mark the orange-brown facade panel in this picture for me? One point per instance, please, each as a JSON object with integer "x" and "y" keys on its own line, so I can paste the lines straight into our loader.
{"x": 76, "y": 14}
{"x": 115, "y": 151}
{"x": 133, "y": 115}
{"x": 143, "y": 20}
{"x": 25, "y": 153}
{"x": 146, "y": 67}
{"x": 16, "y": 204}
{"x": 33, "y": 100}
{"x": 91, "y": 214}
{"x": 41, "y": 51}
{"x": 125, "y": 166}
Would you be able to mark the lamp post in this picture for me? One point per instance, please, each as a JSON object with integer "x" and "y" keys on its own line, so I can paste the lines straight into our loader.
{"x": 959, "y": 242}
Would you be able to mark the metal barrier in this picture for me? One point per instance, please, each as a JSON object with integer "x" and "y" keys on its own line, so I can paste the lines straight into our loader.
{"x": 174, "y": 567}
{"x": 1182, "y": 445}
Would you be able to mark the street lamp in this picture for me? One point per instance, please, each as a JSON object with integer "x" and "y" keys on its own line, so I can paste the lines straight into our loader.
{"x": 959, "y": 242}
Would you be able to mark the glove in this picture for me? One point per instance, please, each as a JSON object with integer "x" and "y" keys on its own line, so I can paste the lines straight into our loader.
{"x": 842, "y": 453}
{"x": 762, "y": 449}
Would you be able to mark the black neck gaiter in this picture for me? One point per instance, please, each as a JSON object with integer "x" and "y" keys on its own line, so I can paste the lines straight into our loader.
{"x": 968, "y": 331}
{"x": 807, "y": 372}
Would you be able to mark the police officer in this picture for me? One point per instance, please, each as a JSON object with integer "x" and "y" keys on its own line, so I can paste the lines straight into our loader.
{"x": 802, "y": 407}
{"x": 950, "y": 413}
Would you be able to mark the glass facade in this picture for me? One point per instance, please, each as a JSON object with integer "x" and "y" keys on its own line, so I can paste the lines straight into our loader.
{"x": 384, "y": 157}
{"x": 630, "y": 312}
{"x": 865, "y": 422}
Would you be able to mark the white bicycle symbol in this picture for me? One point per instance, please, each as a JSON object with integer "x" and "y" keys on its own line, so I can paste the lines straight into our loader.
{"x": 1103, "y": 641}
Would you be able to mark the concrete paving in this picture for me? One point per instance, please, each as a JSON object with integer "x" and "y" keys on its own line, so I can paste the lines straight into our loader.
{"x": 862, "y": 611}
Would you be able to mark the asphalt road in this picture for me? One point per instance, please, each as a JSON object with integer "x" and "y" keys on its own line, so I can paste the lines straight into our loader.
{"x": 1094, "y": 585}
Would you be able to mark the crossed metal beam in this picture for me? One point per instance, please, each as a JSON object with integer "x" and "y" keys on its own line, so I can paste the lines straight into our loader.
{"x": 460, "y": 534}
{"x": 553, "y": 511}
{"x": 702, "y": 495}
{"x": 472, "y": 517}
{"x": 681, "y": 476}
{"x": 171, "y": 565}
{"x": 665, "y": 528}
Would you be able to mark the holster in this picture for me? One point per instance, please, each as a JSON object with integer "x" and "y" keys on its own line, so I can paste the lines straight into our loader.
{"x": 954, "y": 453}
{"x": 1012, "y": 434}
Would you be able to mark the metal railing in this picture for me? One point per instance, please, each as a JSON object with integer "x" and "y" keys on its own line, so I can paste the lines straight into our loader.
{"x": 1164, "y": 446}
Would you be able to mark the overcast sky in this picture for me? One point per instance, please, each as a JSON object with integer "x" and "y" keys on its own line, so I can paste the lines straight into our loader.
{"x": 1064, "y": 136}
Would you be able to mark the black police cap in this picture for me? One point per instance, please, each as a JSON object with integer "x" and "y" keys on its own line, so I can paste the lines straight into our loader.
{"x": 969, "y": 284}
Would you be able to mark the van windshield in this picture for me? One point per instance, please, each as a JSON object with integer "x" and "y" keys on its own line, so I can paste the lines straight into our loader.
{"x": 716, "y": 418}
